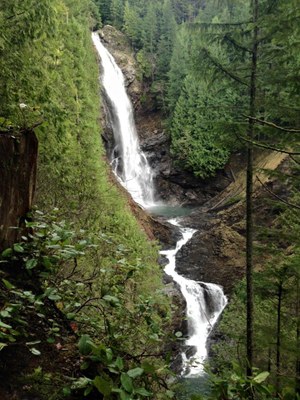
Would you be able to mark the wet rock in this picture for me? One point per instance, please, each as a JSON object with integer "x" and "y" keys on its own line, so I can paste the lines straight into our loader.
{"x": 214, "y": 254}
{"x": 118, "y": 45}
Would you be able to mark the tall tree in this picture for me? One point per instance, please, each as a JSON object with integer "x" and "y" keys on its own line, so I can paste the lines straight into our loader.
{"x": 132, "y": 25}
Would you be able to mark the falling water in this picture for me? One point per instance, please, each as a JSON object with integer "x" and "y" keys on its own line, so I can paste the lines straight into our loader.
{"x": 205, "y": 301}
{"x": 128, "y": 161}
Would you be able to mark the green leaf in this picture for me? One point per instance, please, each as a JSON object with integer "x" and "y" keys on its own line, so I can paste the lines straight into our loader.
{"x": 3, "y": 325}
{"x": 81, "y": 383}
{"x": 133, "y": 373}
{"x": 170, "y": 394}
{"x": 127, "y": 382}
{"x": 54, "y": 297}
{"x": 35, "y": 351}
{"x": 143, "y": 392}
{"x": 47, "y": 262}
{"x": 5, "y": 314}
{"x": 124, "y": 395}
{"x": 119, "y": 363}
{"x": 2, "y": 345}
{"x": 85, "y": 345}
{"x": 30, "y": 264}
{"x": 18, "y": 248}
{"x": 148, "y": 368}
{"x": 112, "y": 300}
{"x": 6, "y": 253}
{"x": 33, "y": 343}
{"x": 88, "y": 390}
{"x": 103, "y": 386}
{"x": 109, "y": 355}
{"x": 84, "y": 365}
{"x": 66, "y": 391}
{"x": 261, "y": 377}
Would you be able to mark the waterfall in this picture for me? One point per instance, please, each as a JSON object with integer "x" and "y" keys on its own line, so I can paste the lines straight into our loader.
{"x": 128, "y": 162}
{"x": 204, "y": 304}
{"x": 205, "y": 301}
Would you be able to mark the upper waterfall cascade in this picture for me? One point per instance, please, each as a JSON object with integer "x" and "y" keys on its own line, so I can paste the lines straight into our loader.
{"x": 128, "y": 161}
{"x": 205, "y": 301}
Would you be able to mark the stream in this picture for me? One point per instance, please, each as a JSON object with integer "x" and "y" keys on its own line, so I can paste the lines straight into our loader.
{"x": 205, "y": 301}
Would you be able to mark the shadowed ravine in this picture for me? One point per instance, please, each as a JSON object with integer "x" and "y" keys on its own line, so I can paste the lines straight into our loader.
{"x": 205, "y": 301}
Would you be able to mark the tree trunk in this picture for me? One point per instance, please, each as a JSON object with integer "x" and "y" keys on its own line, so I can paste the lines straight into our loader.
{"x": 278, "y": 336}
{"x": 249, "y": 193}
{"x": 297, "y": 385}
{"x": 18, "y": 160}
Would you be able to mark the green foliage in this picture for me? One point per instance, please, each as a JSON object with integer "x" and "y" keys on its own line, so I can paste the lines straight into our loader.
{"x": 114, "y": 379}
{"x": 234, "y": 385}
{"x": 47, "y": 248}
{"x": 109, "y": 286}
{"x": 55, "y": 254}
{"x": 274, "y": 343}
{"x": 197, "y": 143}
{"x": 46, "y": 385}
{"x": 116, "y": 12}
{"x": 132, "y": 25}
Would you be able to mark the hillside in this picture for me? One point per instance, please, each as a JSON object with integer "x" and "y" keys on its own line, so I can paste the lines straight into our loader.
{"x": 84, "y": 270}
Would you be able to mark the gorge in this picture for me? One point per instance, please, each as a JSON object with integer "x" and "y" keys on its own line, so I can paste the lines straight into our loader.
{"x": 205, "y": 301}
{"x": 88, "y": 306}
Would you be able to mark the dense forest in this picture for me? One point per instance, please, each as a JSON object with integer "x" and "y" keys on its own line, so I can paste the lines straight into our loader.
{"x": 82, "y": 284}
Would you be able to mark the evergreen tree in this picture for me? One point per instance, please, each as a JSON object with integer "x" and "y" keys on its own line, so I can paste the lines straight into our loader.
{"x": 179, "y": 67}
{"x": 105, "y": 10}
{"x": 132, "y": 25}
{"x": 117, "y": 13}
{"x": 195, "y": 138}
{"x": 166, "y": 40}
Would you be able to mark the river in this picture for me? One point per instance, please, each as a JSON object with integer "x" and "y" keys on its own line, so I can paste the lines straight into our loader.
{"x": 205, "y": 301}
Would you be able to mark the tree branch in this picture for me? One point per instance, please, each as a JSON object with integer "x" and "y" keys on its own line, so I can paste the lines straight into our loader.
{"x": 16, "y": 15}
{"x": 220, "y": 67}
{"x": 265, "y": 146}
{"x": 230, "y": 39}
{"x": 219, "y": 25}
{"x": 294, "y": 159}
{"x": 263, "y": 122}
{"x": 276, "y": 196}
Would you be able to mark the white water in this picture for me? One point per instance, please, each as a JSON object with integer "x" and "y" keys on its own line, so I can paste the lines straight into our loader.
{"x": 205, "y": 301}
{"x": 128, "y": 161}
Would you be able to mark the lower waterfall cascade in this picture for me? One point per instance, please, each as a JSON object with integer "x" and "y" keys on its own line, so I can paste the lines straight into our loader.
{"x": 204, "y": 304}
{"x": 205, "y": 301}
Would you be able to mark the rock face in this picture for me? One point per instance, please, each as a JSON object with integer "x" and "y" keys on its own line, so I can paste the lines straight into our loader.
{"x": 18, "y": 161}
{"x": 214, "y": 254}
{"x": 118, "y": 45}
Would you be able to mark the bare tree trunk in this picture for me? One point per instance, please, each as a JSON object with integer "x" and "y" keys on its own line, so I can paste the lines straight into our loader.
{"x": 278, "y": 336}
{"x": 249, "y": 193}
{"x": 18, "y": 163}
{"x": 297, "y": 385}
